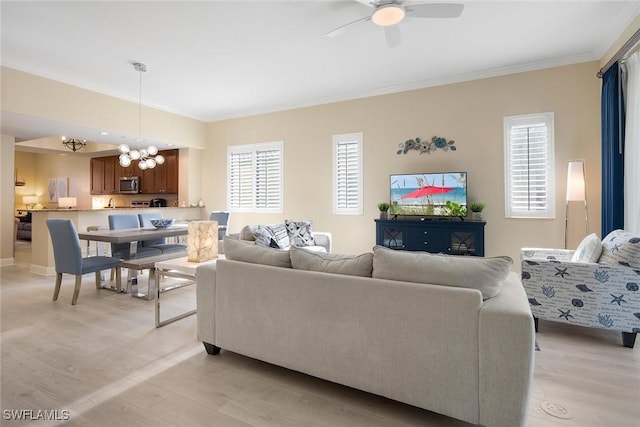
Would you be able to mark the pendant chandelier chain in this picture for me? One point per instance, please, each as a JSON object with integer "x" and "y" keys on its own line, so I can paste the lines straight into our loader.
{"x": 147, "y": 158}
{"x": 140, "y": 106}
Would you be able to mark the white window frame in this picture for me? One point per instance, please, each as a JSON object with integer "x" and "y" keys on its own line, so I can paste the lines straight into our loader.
{"x": 251, "y": 183}
{"x": 511, "y": 209}
{"x": 355, "y": 140}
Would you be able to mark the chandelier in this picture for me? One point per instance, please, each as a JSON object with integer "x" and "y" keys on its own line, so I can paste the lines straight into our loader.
{"x": 74, "y": 144}
{"x": 147, "y": 158}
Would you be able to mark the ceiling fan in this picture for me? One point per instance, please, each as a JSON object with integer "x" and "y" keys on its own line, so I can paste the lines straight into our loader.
{"x": 388, "y": 13}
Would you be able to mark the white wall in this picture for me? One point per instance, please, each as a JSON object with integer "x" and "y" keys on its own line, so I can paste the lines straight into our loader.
{"x": 36, "y": 169}
{"x": 6, "y": 203}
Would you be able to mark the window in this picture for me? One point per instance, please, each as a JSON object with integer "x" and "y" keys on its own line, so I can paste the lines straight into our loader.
{"x": 529, "y": 191}
{"x": 254, "y": 177}
{"x": 347, "y": 174}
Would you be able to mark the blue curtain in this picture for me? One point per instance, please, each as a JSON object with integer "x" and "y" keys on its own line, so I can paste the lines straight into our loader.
{"x": 612, "y": 110}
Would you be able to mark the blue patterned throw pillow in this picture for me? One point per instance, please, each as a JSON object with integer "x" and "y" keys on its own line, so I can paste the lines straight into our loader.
{"x": 300, "y": 233}
{"x": 621, "y": 248}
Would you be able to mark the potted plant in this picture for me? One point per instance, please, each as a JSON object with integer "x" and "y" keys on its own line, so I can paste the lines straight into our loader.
{"x": 455, "y": 209}
{"x": 383, "y": 208}
{"x": 476, "y": 209}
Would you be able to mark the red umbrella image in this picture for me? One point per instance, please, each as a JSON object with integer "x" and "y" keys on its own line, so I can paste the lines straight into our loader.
{"x": 427, "y": 190}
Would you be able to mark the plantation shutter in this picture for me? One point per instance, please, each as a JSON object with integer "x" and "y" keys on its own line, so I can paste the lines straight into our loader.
{"x": 268, "y": 179}
{"x": 255, "y": 177}
{"x": 348, "y": 174}
{"x": 240, "y": 186}
{"x": 529, "y": 167}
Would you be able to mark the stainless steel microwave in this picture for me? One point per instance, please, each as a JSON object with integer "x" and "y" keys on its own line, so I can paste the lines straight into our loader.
{"x": 129, "y": 185}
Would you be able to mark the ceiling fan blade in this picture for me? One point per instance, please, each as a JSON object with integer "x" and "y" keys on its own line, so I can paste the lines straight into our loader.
{"x": 341, "y": 29}
{"x": 392, "y": 36}
{"x": 435, "y": 10}
{"x": 369, "y": 3}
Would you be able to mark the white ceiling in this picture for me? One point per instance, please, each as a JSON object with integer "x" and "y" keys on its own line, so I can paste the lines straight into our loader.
{"x": 212, "y": 60}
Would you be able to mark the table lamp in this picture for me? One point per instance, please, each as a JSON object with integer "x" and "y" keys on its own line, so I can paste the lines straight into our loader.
{"x": 202, "y": 241}
{"x": 576, "y": 192}
{"x": 30, "y": 200}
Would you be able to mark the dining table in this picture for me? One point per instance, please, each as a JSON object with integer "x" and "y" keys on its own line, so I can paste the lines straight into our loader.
{"x": 133, "y": 236}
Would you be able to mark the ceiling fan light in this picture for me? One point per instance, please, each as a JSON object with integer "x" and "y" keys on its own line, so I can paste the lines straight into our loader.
{"x": 388, "y": 14}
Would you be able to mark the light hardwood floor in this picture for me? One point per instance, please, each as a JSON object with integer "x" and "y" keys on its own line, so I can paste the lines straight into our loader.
{"x": 105, "y": 362}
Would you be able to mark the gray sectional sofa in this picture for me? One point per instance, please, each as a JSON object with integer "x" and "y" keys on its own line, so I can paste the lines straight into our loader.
{"x": 463, "y": 351}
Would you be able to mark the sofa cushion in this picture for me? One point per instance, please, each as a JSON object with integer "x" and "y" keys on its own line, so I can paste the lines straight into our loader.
{"x": 484, "y": 274}
{"x": 621, "y": 248}
{"x": 300, "y": 232}
{"x": 240, "y": 250}
{"x": 352, "y": 265}
{"x": 588, "y": 250}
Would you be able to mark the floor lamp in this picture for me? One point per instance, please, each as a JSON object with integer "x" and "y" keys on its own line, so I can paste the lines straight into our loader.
{"x": 575, "y": 193}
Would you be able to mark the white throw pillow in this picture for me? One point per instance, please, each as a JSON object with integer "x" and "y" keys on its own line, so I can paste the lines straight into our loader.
{"x": 621, "y": 248}
{"x": 484, "y": 274}
{"x": 588, "y": 250}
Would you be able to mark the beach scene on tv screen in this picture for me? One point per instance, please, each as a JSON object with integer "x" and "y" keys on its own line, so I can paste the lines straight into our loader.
{"x": 428, "y": 193}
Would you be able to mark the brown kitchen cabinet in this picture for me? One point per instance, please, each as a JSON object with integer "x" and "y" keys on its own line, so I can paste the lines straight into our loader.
{"x": 103, "y": 175}
{"x": 131, "y": 170}
{"x": 163, "y": 179}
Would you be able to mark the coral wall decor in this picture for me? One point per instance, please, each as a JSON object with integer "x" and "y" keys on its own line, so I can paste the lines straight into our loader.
{"x": 437, "y": 142}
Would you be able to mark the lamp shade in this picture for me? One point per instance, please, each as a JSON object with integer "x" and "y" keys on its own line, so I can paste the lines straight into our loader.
{"x": 30, "y": 200}
{"x": 575, "y": 181}
{"x": 202, "y": 241}
{"x": 67, "y": 202}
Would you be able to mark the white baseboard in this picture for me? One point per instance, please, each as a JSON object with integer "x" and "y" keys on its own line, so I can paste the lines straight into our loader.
{"x": 42, "y": 270}
{"x": 5, "y": 262}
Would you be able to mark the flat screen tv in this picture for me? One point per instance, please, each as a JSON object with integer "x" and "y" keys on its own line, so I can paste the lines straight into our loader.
{"x": 427, "y": 194}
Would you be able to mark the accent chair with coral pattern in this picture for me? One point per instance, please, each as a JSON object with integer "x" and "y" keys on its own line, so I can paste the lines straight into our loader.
{"x": 564, "y": 286}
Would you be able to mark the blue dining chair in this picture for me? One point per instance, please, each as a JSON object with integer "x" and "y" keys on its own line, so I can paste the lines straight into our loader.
{"x": 122, "y": 250}
{"x": 223, "y": 219}
{"x": 145, "y": 222}
{"x": 68, "y": 257}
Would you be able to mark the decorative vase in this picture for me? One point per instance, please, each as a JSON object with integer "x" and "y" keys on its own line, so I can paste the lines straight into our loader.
{"x": 476, "y": 216}
{"x": 383, "y": 215}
